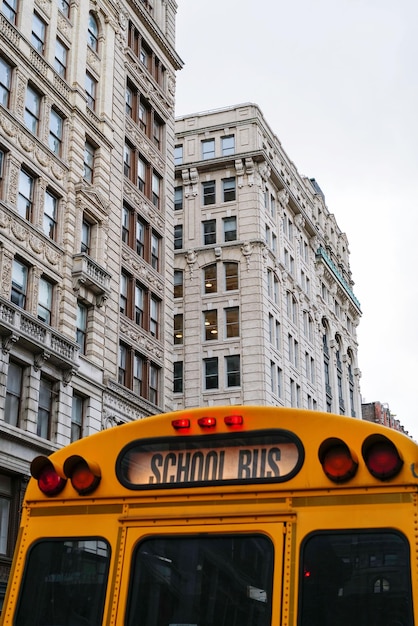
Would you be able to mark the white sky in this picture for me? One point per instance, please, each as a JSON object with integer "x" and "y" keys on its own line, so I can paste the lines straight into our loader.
{"x": 337, "y": 82}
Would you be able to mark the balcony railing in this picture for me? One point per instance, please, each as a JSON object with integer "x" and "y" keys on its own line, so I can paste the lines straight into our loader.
{"x": 45, "y": 342}
{"x": 91, "y": 275}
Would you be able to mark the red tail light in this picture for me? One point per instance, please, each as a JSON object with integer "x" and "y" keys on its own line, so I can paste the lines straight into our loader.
{"x": 50, "y": 481}
{"x": 207, "y": 422}
{"x": 180, "y": 424}
{"x": 337, "y": 460}
{"x": 84, "y": 476}
{"x": 381, "y": 457}
{"x": 234, "y": 420}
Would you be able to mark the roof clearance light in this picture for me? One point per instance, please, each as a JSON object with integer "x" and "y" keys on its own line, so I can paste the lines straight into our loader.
{"x": 84, "y": 476}
{"x": 207, "y": 422}
{"x": 234, "y": 420}
{"x": 50, "y": 482}
{"x": 337, "y": 461}
{"x": 181, "y": 423}
{"x": 381, "y": 457}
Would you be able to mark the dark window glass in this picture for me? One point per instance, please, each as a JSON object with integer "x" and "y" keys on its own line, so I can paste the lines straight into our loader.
{"x": 210, "y": 581}
{"x": 71, "y": 584}
{"x": 356, "y": 578}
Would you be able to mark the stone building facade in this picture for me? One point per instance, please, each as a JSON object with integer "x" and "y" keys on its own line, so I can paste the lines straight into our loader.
{"x": 86, "y": 186}
{"x": 264, "y": 306}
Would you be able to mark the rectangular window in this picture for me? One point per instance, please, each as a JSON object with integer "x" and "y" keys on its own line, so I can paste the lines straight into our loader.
{"x": 144, "y": 114}
{"x": 32, "y": 110}
{"x": 38, "y": 33}
{"x": 231, "y": 276}
{"x": 139, "y": 304}
{"x": 123, "y": 296}
{"x": 61, "y": 58}
{"x": 127, "y": 161}
{"x": 91, "y": 91}
{"x": 130, "y": 96}
{"x": 228, "y": 189}
{"x": 9, "y": 10}
{"x": 126, "y": 224}
{"x": 81, "y": 326}
{"x": 178, "y": 198}
{"x": 85, "y": 237}
{"x": 208, "y": 149}
{"x": 89, "y": 153}
{"x": 178, "y": 329}
{"x": 25, "y": 195}
{"x": 45, "y": 300}
{"x": 208, "y": 191}
{"x": 141, "y": 174}
{"x": 210, "y": 321}
{"x": 13, "y": 393}
{"x": 157, "y": 131}
{"x": 44, "y": 408}
{"x": 123, "y": 356}
{"x": 233, "y": 373}
{"x": 154, "y": 375}
{"x": 178, "y": 377}
{"x": 230, "y": 228}
{"x": 178, "y": 283}
{"x": 210, "y": 282}
{"x": 77, "y": 414}
{"x": 64, "y": 7}
{"x": 178, "y": 155}
{"x": 50, "y": 215}
{"x": 154, "y": 317}
{"x": 140, "y": 237}
{"x": 56, "y": 127}
{"x": 138, "y": 374}
{"x": 156, "y": 189}
{"x": 209, "y": 232}
{"x": 19, "y": 283}
{"x": 228, "y": 145}
{"x": 211, "y": 373}
{"x": 5, "y": 82}
{"x": 232, "y": 322}
{"x": 178, "y": 236}
{"x": 155, "y": 252}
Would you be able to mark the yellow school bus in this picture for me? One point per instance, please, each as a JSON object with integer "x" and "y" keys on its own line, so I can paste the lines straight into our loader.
{"x": 222, "y": 516}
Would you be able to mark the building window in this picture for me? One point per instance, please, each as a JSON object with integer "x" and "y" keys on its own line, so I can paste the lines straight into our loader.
{"x": 231, "y": 276}
{"x": 19, "y": 283}
{"x": 138, "y": 374}
{"x": 233, "y": 374}
{"x": 208, "y": 149}
{"x": 156, "y": 189}
{"x": 154, "y": 379}
{"x": 178, "y": 329}
{"x": 127, "y": 161}
{"x": 178, "y": 155}
{"x": 5, "y": 505}
{"x": 122, "y": 371}
{"x": 154, "y": 317}
{"x": 9, "y": 10}
{"x": 209, "y": 232}
{"x": 178, "y": 198}
{"x": 85, "y": 236}
{"x": 141, "y": 174}
{"x": 25, "y": 195}
{"x": 228, "y": 189}
{"x": 178, "y": 237}
{"x": 91, "y": 91}
{"x": 77, "y": 414}
{"x": 228, "y": 145}
{"x": 140, "y": 237}
{"x": 210, "y": 320}
{"x": 64, "y": 7}
{"x": 230, "y": 228}
{"x": 178, "y": 283}
{"x": 155, "y": 252}
{"x": 61, "y": 56}
{"x": 210, "y": 282}
{"x": 81, "y": 326}
{"x": 5, "y": 82}
{"x": 32, "y": 110}
{"x": 93, "y": 33}
{"x": 89, "y": 153}
{"x": 56, "y": 127}
{"x": 50, "y": 215}
{"x": 38, "y": 33}
{"x": 130, "y": 101}
{"x": 211, "y": 373}
{"x": 208, "y": 190}
{"x": 178, "y": 377}
{"x": 13, "y": 393}
{"x": 232, "y": 322}
{"x": 44, "y": 408}
{"x": 45, "y": 300}
{"x": 157, "y": 131}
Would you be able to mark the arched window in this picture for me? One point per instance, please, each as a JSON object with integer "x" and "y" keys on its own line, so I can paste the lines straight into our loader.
{"x": 93, "y": 33}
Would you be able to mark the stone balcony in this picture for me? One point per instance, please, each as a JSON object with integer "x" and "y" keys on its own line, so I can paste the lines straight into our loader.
{"x": 92, "y": 276}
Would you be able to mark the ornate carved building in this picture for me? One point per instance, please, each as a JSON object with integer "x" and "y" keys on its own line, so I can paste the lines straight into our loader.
{"x": 263, "y": 290}
{"x": 86, "y": 187}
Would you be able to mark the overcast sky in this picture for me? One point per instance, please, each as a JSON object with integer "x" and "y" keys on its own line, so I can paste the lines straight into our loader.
{"x": 337, "y": 82}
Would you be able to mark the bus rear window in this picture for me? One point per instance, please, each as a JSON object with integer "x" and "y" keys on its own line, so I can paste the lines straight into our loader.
{"x": 360, "y": 578}
{"x": 201, "y": 581}
{"x": 64, "y": 583}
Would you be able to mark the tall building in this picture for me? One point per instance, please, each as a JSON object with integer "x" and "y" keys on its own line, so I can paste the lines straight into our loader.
{"x": 86, "y": 188}
{"x": 264, "y": 306}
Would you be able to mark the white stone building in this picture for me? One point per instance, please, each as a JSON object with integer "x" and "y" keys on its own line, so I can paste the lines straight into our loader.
{"x": 264, "y": 306}
{"x": 86, "y": 187}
